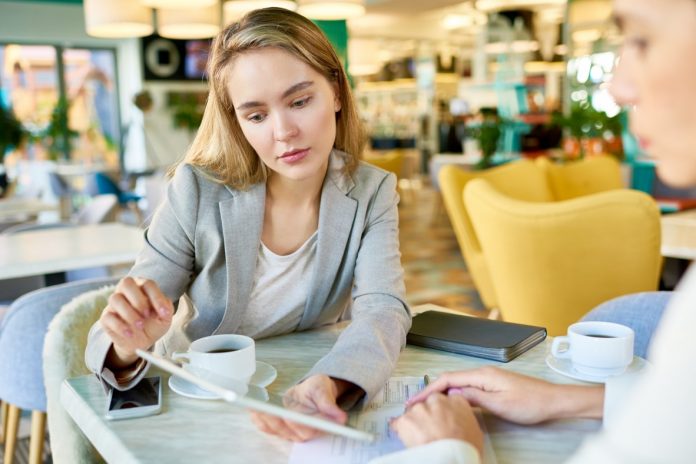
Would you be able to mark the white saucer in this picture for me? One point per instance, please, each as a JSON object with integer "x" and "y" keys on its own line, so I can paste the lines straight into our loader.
{"x": 565, "y": 367}
{"x": 265, "y": 375}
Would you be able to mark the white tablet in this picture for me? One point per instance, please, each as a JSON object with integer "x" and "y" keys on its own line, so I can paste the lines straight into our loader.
{"x": 249, "y": 403}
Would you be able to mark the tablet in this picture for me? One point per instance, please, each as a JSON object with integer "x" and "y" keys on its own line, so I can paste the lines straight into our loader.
{"x": 260, "y": 406}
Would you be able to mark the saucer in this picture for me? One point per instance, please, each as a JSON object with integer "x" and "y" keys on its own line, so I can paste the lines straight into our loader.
{"x": 565, "y": 367}
{"x": 265, "y": 375}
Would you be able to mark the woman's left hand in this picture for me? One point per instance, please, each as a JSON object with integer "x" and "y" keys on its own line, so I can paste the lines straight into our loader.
{"x": 316, "y": 395}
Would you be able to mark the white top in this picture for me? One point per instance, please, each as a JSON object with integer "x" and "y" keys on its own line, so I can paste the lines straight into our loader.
{"x": 279, "y": 293}
{"x": 655, "y": 422}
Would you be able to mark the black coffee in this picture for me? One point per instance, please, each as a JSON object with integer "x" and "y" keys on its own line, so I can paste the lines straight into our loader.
{"x": 599, "y": 336}
{"x": 222, "y": 350}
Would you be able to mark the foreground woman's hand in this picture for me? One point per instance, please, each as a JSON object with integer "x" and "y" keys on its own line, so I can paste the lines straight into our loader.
{"x": 517, "y": 398}
{"x": 138, "y": 314}
{"x": 316, "y": 395}
{"x": 437, "y": 418}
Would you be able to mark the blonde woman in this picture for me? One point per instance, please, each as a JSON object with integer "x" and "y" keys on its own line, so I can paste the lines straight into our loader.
{"x": 270, "y": 225}
{"x": 652, "y": 420}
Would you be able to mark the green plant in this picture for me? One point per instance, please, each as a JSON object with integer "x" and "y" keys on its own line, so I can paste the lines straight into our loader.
{"x": 58, "y": 133}
{"x": 583, "y": 121}
{"x": 187, "y": 109}
{"x": 487, "y": 133}
{"x": 11, "y": 131}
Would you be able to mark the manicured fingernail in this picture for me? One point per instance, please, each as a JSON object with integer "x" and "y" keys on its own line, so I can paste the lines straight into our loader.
{"x": 139, "y": 324}
{"x": 128, "y": 333}
{"x": 162, "y": 311}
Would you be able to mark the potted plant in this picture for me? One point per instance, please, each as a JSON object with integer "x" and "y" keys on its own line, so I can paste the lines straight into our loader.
{"x": 11, "y": 135}
{"x": 487, "y": 133}
{"x": 58, "y": 132}
{"x": 587, "y": 130}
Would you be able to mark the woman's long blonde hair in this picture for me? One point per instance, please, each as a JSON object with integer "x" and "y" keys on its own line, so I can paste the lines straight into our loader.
{"x": 220, "y": 147}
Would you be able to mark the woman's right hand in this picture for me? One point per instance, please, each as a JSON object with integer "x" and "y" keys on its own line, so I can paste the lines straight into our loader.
{"x": 516, "y": 397}
{"x": 138, "y": 314}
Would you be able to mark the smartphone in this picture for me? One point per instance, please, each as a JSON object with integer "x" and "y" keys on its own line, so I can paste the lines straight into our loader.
{"x": 144, "y": 399}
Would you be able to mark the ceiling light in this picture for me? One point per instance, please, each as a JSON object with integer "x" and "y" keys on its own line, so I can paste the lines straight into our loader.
{"x": 195, "y": 23}
{"x": 235, "y": 9}
{"x": 457, "y": 21}
{"x": 172, "y": 4}
{"x": 331, "y": 9}
{"x": 495, "y": 5}
{"x": 117, "y": 18}
{"x": 586, "y": 35}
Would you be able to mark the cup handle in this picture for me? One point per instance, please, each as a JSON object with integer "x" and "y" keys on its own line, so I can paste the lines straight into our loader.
{"x": 555, "y": 347}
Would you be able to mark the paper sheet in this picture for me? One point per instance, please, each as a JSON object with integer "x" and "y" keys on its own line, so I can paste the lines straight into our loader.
{"x": 374, "y": 417}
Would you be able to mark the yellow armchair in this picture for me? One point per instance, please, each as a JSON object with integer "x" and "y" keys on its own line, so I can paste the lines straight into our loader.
{"x": 534, "y": 181}
{"x": 590, "y": 175}
{"x": 392, "y": 161}
{"x": 551, "y": 263}
{"x": 520, "y": 179}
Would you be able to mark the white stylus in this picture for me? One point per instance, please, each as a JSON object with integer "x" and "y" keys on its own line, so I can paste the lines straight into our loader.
{"x": 232, "y": 397}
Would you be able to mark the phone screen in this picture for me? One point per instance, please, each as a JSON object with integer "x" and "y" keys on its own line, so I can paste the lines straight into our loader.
{"x": 145, "y": 393}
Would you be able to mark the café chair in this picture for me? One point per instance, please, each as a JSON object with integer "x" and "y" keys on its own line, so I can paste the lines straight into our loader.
{"x": 520, "y": 179}
{"x": 63, "y": 358}
{"x": 641, "y": 311}
{"x": 99, "y": 184}
{"x": 527, "y": 180}
{"x": 591, "y": 175}
{"x": 21, "y": 359}
{"x": 551, "y": 262}
{"x": 392, "y": 161}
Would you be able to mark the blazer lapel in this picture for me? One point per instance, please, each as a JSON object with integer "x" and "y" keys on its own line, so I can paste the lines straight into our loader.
{"x": 242, "y": 221}
{"x": 336, "y": 215}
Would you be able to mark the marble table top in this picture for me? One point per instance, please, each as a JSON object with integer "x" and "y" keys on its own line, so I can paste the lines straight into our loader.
{"x": 63, "y": 249}
{"x": 679, "y": 235}
{"x": 190, "y": 430}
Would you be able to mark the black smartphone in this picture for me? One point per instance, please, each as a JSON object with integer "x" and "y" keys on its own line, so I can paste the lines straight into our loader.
{"x": 144, "y": 399}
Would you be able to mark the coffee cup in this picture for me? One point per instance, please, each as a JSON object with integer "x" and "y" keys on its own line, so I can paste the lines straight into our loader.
{"x": 227, "y": 360}
{"x": 596, "y": 348}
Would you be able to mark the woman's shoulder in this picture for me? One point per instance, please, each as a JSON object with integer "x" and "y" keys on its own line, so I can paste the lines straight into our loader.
{"x": 369, "y": 175}
{"x": 193, "y": 180}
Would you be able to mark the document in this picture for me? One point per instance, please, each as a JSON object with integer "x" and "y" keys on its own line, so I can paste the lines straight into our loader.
{"x": 374, "y": 418}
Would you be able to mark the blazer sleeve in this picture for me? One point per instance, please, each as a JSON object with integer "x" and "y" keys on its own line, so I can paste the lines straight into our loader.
{"x": 368, "y": 349}
{"x": 167, "y": 258}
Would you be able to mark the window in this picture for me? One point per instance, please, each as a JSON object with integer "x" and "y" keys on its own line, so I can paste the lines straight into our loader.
{"x": 66, "y": 99}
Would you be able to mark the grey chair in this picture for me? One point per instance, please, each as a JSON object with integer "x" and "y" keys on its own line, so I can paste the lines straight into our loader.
{"x": 21, "y": 358}
{"x": 640, "y": 311}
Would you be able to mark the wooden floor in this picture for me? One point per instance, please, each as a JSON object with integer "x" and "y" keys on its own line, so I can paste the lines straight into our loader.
{"x": 434, "y": 268}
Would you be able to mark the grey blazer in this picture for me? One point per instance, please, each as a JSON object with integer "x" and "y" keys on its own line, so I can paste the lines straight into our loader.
{"x": 202, "y": 246}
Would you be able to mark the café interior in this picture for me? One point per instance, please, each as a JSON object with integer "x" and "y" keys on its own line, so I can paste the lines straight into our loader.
{"x": 100, "y": 98}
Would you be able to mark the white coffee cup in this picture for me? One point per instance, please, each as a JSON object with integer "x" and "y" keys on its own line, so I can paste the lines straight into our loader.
{"x": 227, "y": 360}
{"x": 596, "y": 348}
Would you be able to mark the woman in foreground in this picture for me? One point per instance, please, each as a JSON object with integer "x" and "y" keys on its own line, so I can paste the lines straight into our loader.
{"x": 653, "y": 421}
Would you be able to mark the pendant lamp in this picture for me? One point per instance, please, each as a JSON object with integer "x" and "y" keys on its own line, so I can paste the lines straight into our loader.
{"x": 331, "y": 9}
{"x": 117, "y": 18}
{"x": 196, "y": 23}
{"x": 174, "y": 4}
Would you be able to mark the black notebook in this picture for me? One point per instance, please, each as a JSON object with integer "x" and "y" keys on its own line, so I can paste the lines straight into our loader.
{"x": 472, "y": 336}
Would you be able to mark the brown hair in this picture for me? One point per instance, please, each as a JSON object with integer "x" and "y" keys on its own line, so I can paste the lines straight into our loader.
{"x": 220, "y": 147}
